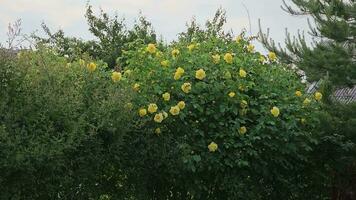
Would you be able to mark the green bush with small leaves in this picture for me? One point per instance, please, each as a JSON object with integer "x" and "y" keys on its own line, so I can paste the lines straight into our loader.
{"x": 218, "y": 120}
{"x": 61, "y": 128}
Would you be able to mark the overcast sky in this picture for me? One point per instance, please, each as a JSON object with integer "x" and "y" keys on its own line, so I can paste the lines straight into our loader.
{"x": 167, "y": 16}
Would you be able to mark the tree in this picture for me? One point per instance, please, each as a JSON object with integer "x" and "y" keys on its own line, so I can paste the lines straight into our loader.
{"x": 332, "y": 52}
{"x": 331, "y": 58}
{"x": 112, "y": 38}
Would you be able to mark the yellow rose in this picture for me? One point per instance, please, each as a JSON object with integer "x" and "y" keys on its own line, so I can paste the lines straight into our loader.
{"x": 166, "y": 96}
{"x": 243, "y": 104}
{"x": 177, "y": 76}
{"x": 181, "y": 105}
{"x": 200, "y": 74}
{"x": 175, "y": 52}
{"x": 136, "y": 87}
{"x": 212, "y": 147}
{"x": 262, "y": 59}
{"x": 228, "y": 58}
{"x": 242, "y": 130}
{"x": 174, "y": 110}
{"x": 116, "y": 76}
{"x": 306, "y": 101}
{"x": 142, "y": 112}
{"x": 186, "y": 87}
{"x": 152, "y": 108}
{"x": 158, "y": 118}
{"x": 91, "y": 67}
{"x": 180, "y": 70}
{"x": 242, "y": 73}
{"x": 158, "y": 131}
{"x": 232, "y": 94}
{"x": 298, "y": 93}
{"x": 191, "y": 47}
{"x": 216, "y": 58}
{"x": 318, "y": 96}
{"x": 165, "y": 63}
{"x": 275, "y": 111}
{"x": 272, "y": 56}
{"x": 238, "y": 39}
{"x": 250, "y": 48}
{"x": 151, "y": 48}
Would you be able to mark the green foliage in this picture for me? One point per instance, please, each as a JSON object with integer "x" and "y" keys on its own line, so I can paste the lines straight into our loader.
{"x": 61, "y": 128}
{"x": 213, "y": 28}
{"x": 265, "y": 162}
{"x": 111, "y": 38}
{"x": 333, "y": 51}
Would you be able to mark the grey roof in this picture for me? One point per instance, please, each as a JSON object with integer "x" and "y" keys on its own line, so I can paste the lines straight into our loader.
{"x": 343, "y": 95}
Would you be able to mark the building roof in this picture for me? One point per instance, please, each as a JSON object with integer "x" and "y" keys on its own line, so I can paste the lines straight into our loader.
{"x": 343, "y": 95}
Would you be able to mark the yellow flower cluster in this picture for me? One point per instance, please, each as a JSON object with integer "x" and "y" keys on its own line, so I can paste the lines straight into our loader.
{"x": 116, "y": 76}
{"x": 175, "y": 52}
{"x": 191, "y": 47}
{"x": 216, "y": 58}
{"x": 166, "y": 96}
{"x": 136, "y": 87}
{"x": 186, "y": 87}
{"x": 298, "y": 93}
{"x": 181, "y": 105}
{"x": 91, "y": 67}
{"x": 272, "y": 56}
{"x": 228, "y": 58}
{"x": 318, "y": 96}
{"x": 152, "y": 108}
{"x": 142, "y": 112}
{"x": 275, "y": 111}
{"x": 179, "y": 73}
{"x": 250, "y": 48}
{"x": 243, "y": 104}
{"x": 158, "y": 117}
{"x": 174, "y": 110}
{"x": 232, "y": 94}
{"x": 212, "y": 147}
{"x": 238, "y": 39}
{"x": 151, "y": 48}
{"x": 242, "y": 73}
{"x": 200, "y": 74}
{"x": 242, "y": 130}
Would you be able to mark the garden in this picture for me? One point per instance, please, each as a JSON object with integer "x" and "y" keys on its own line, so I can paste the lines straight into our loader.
{"x": 207, "y": 116}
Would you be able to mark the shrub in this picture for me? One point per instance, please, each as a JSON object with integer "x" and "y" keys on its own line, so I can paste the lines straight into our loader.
{"x": 218, "y": 121}
{"x": 61, "y": 127}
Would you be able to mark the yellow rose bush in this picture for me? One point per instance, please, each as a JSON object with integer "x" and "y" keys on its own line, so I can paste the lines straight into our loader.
{"x": 226, "y": 112}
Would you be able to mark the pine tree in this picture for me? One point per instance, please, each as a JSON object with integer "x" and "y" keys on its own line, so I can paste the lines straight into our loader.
{"x": 332, "y": 58}
{"x": 332, "y": 52}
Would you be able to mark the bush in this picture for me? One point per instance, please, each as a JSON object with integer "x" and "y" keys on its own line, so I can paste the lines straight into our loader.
{"x": 218, "y": 121}
{"x": 61, "y": 128}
